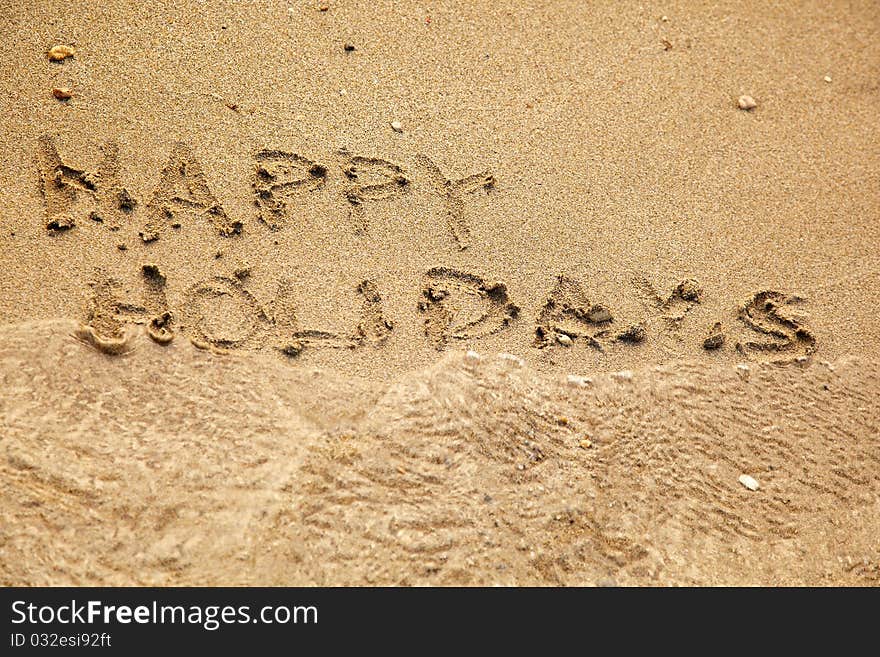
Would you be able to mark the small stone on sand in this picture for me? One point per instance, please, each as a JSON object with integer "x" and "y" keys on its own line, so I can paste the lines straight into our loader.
{"x": 748, "y": 482}
{"x": 61, "y": 52}
{"x": 348, "y": 47}
{"x": 564, "y": 340}
{"x": 827, "y": 78}
{"x": 62, "y": 93}
{"x": 397, "y": 126}
{"x": 746, "y": 103}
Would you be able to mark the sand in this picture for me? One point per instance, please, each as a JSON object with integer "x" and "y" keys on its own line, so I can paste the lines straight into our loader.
{"x": 465, "y": 293}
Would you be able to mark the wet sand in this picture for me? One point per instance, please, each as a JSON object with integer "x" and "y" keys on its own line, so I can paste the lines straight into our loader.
{"x": 246, "y": 251}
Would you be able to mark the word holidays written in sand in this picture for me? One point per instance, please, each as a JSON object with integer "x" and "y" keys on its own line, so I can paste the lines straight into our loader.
{"x": 221, "y": 313}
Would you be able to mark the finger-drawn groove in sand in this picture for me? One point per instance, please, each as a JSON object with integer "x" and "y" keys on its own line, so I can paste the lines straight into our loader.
{"x": 675, "y": 306}
{"x": 568, "y": 315}
{"x": 370, "y": 179}
{"x": 770, "y": 313}
{"x": 373, "y": 328}
{"x": 107, "y": 318}
{"x": 71, "y": 195}
{"x": 183, "y": 191}
{"x": 105, "y": 313}
{"x": 159, "y": 326}
{"x": 461, "y": 306}
{"x": 452, "y": 192}
{"x": 220, "y": 313}
{"x": 293, "y": 339}
{"x": 280, "y": 179}
{"x": 112, "y": 346}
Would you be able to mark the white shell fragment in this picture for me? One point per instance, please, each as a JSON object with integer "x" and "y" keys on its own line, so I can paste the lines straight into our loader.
{"x": 746, "y": 103}
{"x": 749, "y": 482}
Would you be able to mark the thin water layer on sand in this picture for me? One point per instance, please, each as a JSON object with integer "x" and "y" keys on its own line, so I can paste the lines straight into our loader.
{"x": 167, "y": 464}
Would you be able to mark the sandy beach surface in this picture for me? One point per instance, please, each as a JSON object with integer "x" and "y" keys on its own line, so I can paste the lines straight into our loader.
{"x": 554, "y": 293}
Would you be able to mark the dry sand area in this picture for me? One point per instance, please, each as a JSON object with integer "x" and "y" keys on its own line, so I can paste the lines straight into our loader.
{"x": 557, "y": 293}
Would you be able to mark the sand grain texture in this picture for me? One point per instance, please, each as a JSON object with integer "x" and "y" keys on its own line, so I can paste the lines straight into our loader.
{"x": 245, "y": 253}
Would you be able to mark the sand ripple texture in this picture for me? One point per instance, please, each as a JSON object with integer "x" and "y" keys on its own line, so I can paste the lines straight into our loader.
{"x": 170, "y": 465}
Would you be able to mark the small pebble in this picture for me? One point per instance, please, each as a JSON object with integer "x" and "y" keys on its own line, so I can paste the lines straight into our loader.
{"x": 472, "y": 355}
{"x": 397, "y": 126}
{"x": 563, "y": 339}
{"x": 746, "y": 103}
{"x": 324, "y": 6}
{"x": 62, "y": 93}
{"x": 748, "y": 482}
{"x": 827, "y": 78}
{"x": 348, "y": 47}
{"x": 586, "y": 443}
{"x": 59, "y": 53}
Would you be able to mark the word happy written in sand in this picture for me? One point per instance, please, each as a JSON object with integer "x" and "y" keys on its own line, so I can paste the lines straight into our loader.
{"x": 222, "y": 313}
{"x": 281, "y": 180}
